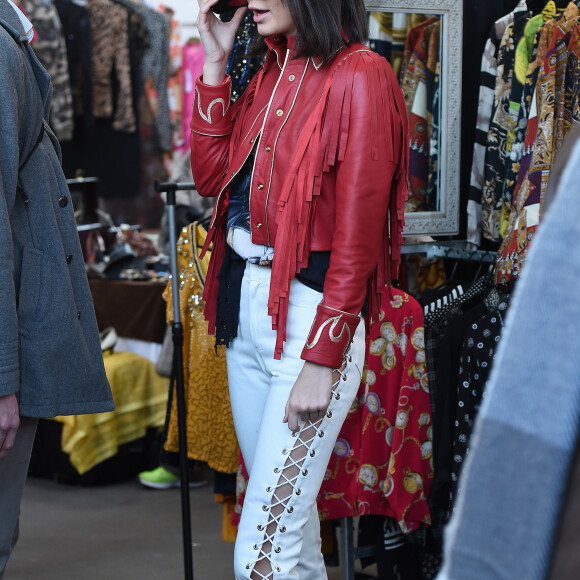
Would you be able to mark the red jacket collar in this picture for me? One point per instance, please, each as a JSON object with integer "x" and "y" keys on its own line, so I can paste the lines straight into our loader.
{"x": 277, "y": 47}
{"x": 279, "y": 44}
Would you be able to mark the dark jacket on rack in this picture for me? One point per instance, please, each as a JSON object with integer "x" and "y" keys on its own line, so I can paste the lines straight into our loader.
{"x": 50, "y": 353}
{"x": 76, "y": 26}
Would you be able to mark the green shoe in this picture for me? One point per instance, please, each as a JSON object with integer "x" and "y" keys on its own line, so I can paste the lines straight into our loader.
{"x": 161, "y": 478}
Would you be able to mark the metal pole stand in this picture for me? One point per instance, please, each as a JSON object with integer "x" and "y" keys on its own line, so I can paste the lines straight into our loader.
{"x": 177, "y": 378}
{"x": 348, "y": 552}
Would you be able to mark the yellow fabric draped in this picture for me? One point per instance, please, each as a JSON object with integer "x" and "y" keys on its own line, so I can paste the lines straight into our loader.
{"x": 140, "y": 396}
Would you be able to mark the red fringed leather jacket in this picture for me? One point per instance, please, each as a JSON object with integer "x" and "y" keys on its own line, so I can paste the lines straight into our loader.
{"x": 330, "y": 173}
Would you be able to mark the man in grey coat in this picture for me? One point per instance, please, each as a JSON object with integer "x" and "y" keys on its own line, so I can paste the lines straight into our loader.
{"x": 50, "y": 356}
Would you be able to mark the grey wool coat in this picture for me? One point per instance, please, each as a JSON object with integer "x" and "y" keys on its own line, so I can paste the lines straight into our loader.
{"x": 50, "y": 353}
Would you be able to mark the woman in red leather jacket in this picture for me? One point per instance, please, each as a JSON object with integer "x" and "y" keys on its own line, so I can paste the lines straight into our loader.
{"x": 310, "y": 170}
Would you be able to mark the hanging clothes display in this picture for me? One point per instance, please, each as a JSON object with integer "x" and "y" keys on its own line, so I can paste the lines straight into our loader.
{"x": 50, "y": 49}
{"x": 382, "y": 461}
{"x": 475, "y": 362}
{"x": 139, "y": 44}
{"x": 388, "y": 33}
{"x": 463, "y": 323}
{"x": 117, "y": 135}
{"x": 411, "y": 44}
{"x": 536, "y": 79}
{"x": 446, "y": 329}
{"x": 495, "y": 158}
{"x": 106, "y": 138}
{"x": 155, "y": 71}
{"x": 175, "y": 80}
{"x": 554, "y": 108}
{"x": 148, "y": 206}
{"x": 193, "y": 57}
{"x": 210, "y": 427}
{"x": 418, "y": 77}
{"x": 110, "y": 35}
{"x": 433, "y": 82}
{"x": 519, "y": 150}
{"x": 76, "y": 28}
{"x": 489, "y": 66}
{"x": 525, "y": 53}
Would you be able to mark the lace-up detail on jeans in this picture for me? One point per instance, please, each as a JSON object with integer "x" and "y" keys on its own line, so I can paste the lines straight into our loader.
{"x": 294, "y": 470}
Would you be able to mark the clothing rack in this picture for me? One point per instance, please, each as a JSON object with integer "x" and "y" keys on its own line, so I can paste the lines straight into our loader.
{"x": 177, "y": 377}
{"x": 348, "y": 552}
{"x": 458, "y": 250}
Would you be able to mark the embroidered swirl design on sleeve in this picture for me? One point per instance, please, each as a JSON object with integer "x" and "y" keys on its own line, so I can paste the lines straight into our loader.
{"x": 332, "y": 324}
{"x": 207, "y": 117}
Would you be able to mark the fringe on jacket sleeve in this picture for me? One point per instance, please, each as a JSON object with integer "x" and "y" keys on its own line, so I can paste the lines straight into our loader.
{"x": 322, "y": 145}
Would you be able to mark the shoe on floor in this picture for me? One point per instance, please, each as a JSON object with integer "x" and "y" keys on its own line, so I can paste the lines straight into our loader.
{"x": 161, "y": 478}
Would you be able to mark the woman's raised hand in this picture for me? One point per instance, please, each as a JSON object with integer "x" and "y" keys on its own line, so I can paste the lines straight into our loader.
{"x": 218, "y": 39}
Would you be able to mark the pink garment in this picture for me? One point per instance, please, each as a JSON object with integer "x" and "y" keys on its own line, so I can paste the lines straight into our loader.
{"x": 192, "y": 66}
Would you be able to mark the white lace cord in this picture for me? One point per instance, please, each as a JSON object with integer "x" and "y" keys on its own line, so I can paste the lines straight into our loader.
{"x": 305, "y": 437}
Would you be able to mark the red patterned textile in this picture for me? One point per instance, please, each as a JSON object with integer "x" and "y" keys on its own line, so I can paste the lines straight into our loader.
{"x": 382, "y": 462}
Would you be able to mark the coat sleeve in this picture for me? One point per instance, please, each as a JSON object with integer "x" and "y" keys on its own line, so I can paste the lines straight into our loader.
{"x": 10, "y": 142}
{"x": 370, "y": 169}
{"x": 215, "y": 131}
{"x": 211, "y": 128}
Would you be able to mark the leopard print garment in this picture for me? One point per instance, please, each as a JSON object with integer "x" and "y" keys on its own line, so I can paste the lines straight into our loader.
{"x": 50, "y": 49}
{"x": 110, "y": 30}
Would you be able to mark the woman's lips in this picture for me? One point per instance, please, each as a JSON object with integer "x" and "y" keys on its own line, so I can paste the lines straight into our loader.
{"x": 259, "y": 15}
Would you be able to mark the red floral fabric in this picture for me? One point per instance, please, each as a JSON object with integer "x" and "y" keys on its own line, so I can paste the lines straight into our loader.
{"x": 382, "y": 463}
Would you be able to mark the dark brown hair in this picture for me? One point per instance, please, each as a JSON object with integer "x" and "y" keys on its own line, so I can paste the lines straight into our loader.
{"x": 320, "y": 25}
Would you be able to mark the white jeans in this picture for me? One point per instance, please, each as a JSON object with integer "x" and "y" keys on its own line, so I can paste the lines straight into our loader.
{"x": 279, "y": 527}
